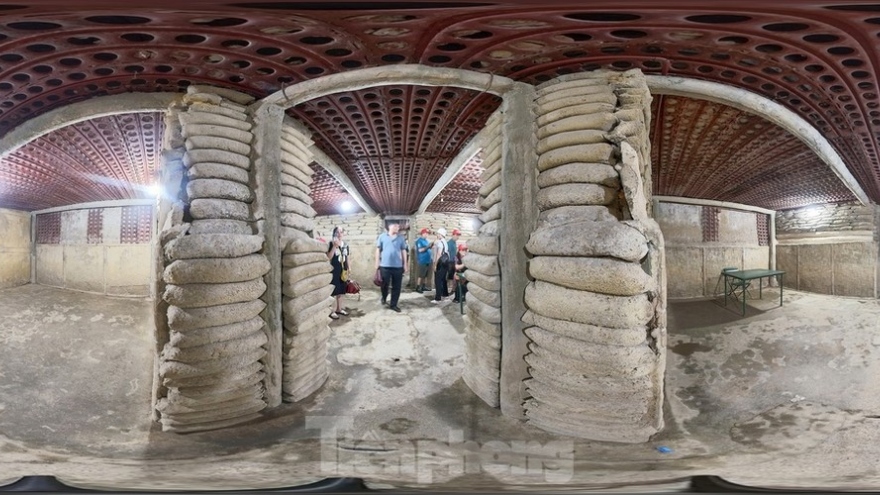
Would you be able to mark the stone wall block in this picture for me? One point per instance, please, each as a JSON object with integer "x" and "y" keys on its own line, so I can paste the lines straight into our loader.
{"x": 203, "y": 295}
{"x": 219, "y": 143}
{"x": 563, "y": 215}
{"x": 492, "y": 298}
{"x": 484, "y": 311}
{"x": 219, "y": 188}
{"x": 220, "y": 209}
{"x": 491, "y": 183}
{"x": 602, "y": 275}
{"x": 585, "y": 332}
{"x": 295, "y": 205}
{"x": 184, "y": 339}
{"x": 569, "y": 138}
{"x": 212, "y": 246}
{"x": 484, "y": 244}
{"x": 579, "y": 153}
{"x": 307, "y": 285}
{"x": 231, "y": 133}
{"x": 182, "y": 319}
{"x": 574, "y": 194}
{"x": 486, "y": 265}
{"x": 221, "y": 226}
{"x": 589, "y": 173}
{"x": 605, "y": 239}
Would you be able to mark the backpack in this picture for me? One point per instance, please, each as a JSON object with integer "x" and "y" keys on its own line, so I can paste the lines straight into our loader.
{"x": 444, "y": 258}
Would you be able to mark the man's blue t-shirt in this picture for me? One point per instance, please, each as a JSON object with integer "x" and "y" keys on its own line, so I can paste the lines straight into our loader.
{"x": 453, "y": 248}
{"x": 390, "y": 250}
{"x": 423, "y": 257}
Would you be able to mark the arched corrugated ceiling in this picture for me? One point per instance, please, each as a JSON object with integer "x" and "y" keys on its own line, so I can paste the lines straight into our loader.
{"x": 818, "y": 59}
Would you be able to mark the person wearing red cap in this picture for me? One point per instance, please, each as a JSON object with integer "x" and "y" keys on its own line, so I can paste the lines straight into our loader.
{"x": 460, "y": 275}
{"x": 423, "y": 258}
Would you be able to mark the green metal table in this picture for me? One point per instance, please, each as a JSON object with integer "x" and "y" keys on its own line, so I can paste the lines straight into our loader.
{"x": 745, "y": 276}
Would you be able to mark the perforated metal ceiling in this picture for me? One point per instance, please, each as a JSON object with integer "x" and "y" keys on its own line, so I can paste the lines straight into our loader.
{"x": 818, "y": 59}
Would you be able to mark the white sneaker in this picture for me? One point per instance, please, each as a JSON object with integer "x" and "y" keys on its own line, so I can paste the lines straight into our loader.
{"x": 434, "y": 301}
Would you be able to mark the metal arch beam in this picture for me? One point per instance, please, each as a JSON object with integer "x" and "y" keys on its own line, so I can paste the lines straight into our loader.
{"x": 473, "y": 147}
{"x": 100, "y": 106}
{"x": 755, "y": 104}
{"x": 407, "y": 74}
{"x": 335, "y": 170}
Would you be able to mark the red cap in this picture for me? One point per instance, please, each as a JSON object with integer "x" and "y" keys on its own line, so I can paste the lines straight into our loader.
{"x": 462, "y": 247}
{"x": 456, "y": 232}
{"x": 424, "y": 231}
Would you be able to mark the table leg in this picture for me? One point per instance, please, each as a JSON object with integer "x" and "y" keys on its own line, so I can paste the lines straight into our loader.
{"x": 760, "y": 288}
{"x": 744, "y": 297}
{"x": 781, "y": 284}
{"x": 725, "y": 291}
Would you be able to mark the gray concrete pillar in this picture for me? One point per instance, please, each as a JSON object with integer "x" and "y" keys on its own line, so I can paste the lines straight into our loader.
{"x": 266, "y": 172}
{"x": 518, "y": 217}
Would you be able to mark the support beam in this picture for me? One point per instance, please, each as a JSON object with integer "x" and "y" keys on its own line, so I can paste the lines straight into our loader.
{"x": 85, "y": 110}
{"x": 373, "y": 77}
{"x": 335, "y": 170}
{"x": 758, "y": 105}
{"x": 118, "y": 203}
{"x": 711, "y": 202}
{"x": 266, "y": 160}
{"x": 519, "y": 216}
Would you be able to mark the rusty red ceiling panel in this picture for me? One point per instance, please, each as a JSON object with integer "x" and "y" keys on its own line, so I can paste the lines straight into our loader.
{"x": 817, "y": 59}
{"x": 329, "y": 197}
{"x": 106, "y": 158}
{"x": 395, "y": 142}
{"x": 706, "y": 150}
{"x": 462, "y": 193}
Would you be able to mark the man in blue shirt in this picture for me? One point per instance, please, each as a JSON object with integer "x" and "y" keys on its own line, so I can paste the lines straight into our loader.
{"x": 391, "y": 259}
{"x": 423, "y": 256}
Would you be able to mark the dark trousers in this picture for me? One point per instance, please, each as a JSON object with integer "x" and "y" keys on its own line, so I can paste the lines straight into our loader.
{"x": 440, "y": 288}
{"x": 394, "y": 277}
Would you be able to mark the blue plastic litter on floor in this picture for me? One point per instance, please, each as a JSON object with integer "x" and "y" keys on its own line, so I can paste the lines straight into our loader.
{"x": 664, "y": 450}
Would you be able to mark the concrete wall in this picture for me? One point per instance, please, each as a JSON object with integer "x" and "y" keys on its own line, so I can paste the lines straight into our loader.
{"x": 362, "y": 230}
{"x": 103, "y": 265}
{"x": 697, "y": 248}
{"x": 830, "y": 249}
{"x": 15, "y": 248}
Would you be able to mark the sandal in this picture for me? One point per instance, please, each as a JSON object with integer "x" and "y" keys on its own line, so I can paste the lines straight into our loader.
{"x": 342, "y": 312}
{"x": 334, "y": 316}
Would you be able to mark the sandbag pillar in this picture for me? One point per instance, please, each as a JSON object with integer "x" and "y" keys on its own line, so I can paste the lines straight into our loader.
{"x": 210, "y": 337}
{"x": 597, "y": 305}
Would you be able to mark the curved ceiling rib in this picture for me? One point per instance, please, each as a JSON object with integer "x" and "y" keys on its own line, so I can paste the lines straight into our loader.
{"x": 816, "y": 59}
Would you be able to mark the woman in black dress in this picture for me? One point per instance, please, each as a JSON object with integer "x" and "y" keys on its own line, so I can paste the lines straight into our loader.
{"x": 337, "y": 253}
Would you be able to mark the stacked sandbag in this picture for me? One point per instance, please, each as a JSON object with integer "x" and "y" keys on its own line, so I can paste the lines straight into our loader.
{"x": 483, "y": 335}
{"x": 306, "y": 304}
{"x": 297, "y": 214}
{"x": 596, "y": 307}
{"x": 213, "y": 275}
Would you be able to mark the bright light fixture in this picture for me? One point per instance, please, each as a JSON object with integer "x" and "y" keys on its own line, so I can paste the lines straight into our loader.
{"x": 346, "y": 206}
{"x": 154, "y": 189}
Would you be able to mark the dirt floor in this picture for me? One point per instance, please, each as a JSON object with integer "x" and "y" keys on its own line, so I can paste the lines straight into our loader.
{"x": 779, "y": 397}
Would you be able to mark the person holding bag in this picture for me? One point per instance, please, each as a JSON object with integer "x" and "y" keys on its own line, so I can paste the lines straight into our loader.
{"x": 337, "y": 253}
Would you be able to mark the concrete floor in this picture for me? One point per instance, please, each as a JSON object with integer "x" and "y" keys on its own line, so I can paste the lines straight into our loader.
{"x": 781, "y": 397}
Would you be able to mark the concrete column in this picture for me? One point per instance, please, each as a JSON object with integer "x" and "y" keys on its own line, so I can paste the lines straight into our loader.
{"x": 519, "y": 216}
{"x": 33, "y": 248}
{"x": 266, "y": 209}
